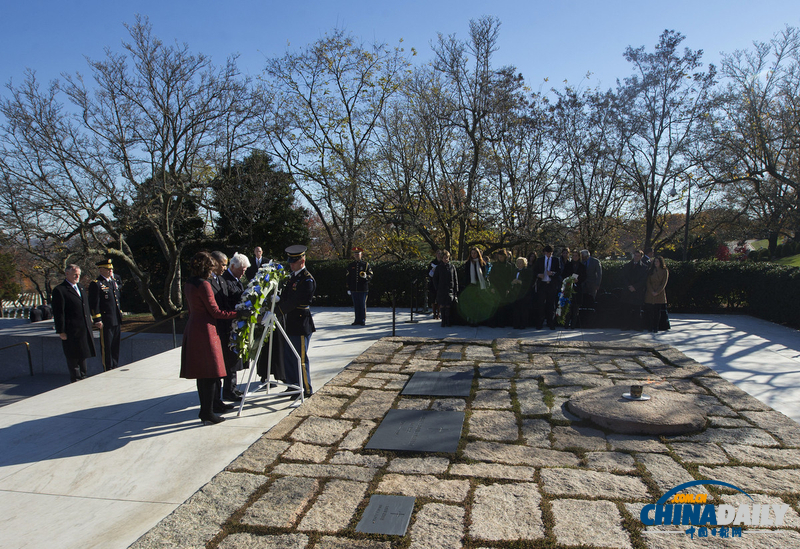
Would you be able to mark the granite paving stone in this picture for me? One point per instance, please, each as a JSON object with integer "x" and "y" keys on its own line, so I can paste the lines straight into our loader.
{"x": 424, "y": 486}
{"x": 498, "y": 370}
{"x": 315, "y": 470}
{"x": 437, "y": 526}
{"x": 737, "y": 435}
{"x": 587, "y": 438}
{"x": 497, "y": 400}
{"x": 721, "y": 421}
{"x": 300, "y": 451}
{"x": 574, "y": 482}
{"x": 559, "y": 410}
{"x": 334, "y": 507}
{"x": 260, "y": 455}
{"x": 492, "y": 470}
{"x": 419, "y": 466}
{"x": 778, "y": 424}
{"x": 566, "y": 390}
{"x": 330, "y": 542}
{"x": 600, "y": 524}
{"x": 506, "y": 512}
{"x": 666, "y": 472}
{"x": 788, "y": 457}
{"x": 530, "y": 398}
{"x": 337, "y": 390}
{"x": 475, "y": 352}
{"x": 731, "y": 395}
{"x": 281, "y": 505}
{"x": 321, "y": 405}
{"x": 413, "y": 404}
{"x": 610, "y": 461}
{"x": 536, "y": 432}
{"x": 637, "y": 443}
{"x": 370, "y": 405}
{"x": 780, "y": 539}
{"x": 493, "y": 425}
{"x": 345, "y": 457}
{"x": 494, "y": 383}
{"x": 356, "y": 438}
{"x": 756, "y": 479}
{"x": 320, "y": 430}
{"x": 369, "y": 383}
{"x": 449, "y": 405}
{"x": 700, "y": 452}
{"x": 254, "y": 541}
{"x": 514, "y": 454}
{"x": 790, "y": 519}
{"x": 284, "y": 427}
{"x": 421, "y": 365}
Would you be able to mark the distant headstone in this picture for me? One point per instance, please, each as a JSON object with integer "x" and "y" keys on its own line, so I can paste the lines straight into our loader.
{"x": 418, "y": 431}
{"x": 445, "y": 384}
{"x": 388, "y": 515}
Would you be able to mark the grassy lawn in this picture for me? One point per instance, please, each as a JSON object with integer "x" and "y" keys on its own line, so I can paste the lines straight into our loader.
{"x": 792, "y": 260}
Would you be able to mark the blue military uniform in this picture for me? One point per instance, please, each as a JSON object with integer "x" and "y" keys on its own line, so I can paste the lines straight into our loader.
{"x": 359, "y": 273}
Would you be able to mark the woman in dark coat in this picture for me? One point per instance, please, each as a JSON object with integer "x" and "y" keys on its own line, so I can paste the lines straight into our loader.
{"x": 518, "y": 294}
{"x": 445, "y": 279}
{"x": 476, "y": 303}
{"x": 201, "y": 351}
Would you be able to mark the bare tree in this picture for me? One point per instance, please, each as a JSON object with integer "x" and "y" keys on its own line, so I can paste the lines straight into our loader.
{"x": 326, "y": 101}
{"x": 136, "y": 144}
{"x": 660, "y": 106}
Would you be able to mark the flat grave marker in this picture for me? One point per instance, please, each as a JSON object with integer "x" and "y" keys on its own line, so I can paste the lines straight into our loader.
{"x": 388, "y": 515}
{"x": 418, "y": 431}
{"x": 444, "y": 384}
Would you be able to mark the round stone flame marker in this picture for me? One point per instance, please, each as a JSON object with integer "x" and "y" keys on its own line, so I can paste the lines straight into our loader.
{"x": 665, "y": 413}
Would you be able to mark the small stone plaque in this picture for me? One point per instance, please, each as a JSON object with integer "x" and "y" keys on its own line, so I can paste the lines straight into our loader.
{"x": 446, "y": 384}
{"x": 451, "y": 355}
{"x": 388, "y": 515}
{"x": 418, "y": 431}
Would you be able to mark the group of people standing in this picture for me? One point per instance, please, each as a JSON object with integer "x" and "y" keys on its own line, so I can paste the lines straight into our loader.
{"x": 501, "y": 293}
{"x": 644, "y": 296}
{"x": 78, "y": 311}
{"x": 212, "y": 293}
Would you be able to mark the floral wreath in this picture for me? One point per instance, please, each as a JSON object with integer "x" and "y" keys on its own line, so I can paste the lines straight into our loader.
{"x": 565, "y": 298}
{"x": 246, "y": 332}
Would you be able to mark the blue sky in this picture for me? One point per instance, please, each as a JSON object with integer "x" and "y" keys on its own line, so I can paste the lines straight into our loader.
{"x": 557, "y": 39}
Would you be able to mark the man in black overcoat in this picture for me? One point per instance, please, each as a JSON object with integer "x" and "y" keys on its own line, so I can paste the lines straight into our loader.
{"x": 73, "y": 322}
{"x": 104, "y": 302}
{"x": 252, "y": 268}
{"x": 634, "y": 283}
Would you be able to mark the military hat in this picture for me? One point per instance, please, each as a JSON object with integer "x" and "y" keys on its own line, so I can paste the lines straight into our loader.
{"x": 293, "y": 253}
{"x": 105, "y": 264}
{"x": 357, "y": 249}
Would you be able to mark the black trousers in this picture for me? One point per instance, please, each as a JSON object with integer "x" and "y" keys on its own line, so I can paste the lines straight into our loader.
{"x": 109, "y": 346}
{"x": 546, "y": 297}
{"x": 77, "y": 369}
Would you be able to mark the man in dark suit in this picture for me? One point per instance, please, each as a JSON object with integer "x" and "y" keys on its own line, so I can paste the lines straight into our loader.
{"x": 73, "y": 322}
{"x": 104, "y": 302}
{"x": 232, "y": 280}
{"x": 547, "y": 272}
{"x": 294, "y": 305}
{"x": 253, "y": 268}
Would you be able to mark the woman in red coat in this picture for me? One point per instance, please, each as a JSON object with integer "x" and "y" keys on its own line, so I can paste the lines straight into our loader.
{"x": 201, "y": 351}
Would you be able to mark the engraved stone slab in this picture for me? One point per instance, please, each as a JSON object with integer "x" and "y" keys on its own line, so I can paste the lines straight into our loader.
{"x": 418, "y": 431}
{"x": 447, "y": 384}
{"x": 450, "y": 355}
{"x": 666, "y": 413}
{"x": 388, "y": 515}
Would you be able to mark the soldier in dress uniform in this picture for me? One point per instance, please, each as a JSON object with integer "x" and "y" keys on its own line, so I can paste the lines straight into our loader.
{"x": 104, "y": 301}
{"x": 359, "y": 273}
{"x": 294, "y": 306}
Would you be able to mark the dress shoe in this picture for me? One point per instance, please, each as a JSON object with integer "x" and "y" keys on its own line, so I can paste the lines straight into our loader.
{"x": 221, "y": 409}
{"x": 211, "y": 419}
{"x": 231, "y": 396}
{"x": 355, "y": 323}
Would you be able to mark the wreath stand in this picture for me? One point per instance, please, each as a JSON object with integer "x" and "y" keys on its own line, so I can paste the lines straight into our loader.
{"x": 270, "y": 322}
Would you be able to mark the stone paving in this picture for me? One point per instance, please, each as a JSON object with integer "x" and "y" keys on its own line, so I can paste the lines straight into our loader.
{"x": 527, "y": 472}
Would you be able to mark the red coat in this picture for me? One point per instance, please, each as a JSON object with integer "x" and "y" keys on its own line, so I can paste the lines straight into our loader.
{"x": 201, "y": 351}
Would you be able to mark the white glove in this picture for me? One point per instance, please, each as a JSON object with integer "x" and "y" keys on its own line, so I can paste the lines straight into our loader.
{"x": 265, "y": 319}
{"x": 348, "y": 292}
{"x": 275, "y": 298}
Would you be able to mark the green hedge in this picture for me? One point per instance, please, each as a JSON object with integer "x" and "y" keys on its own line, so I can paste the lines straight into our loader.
{"x": 765, "y": 290}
